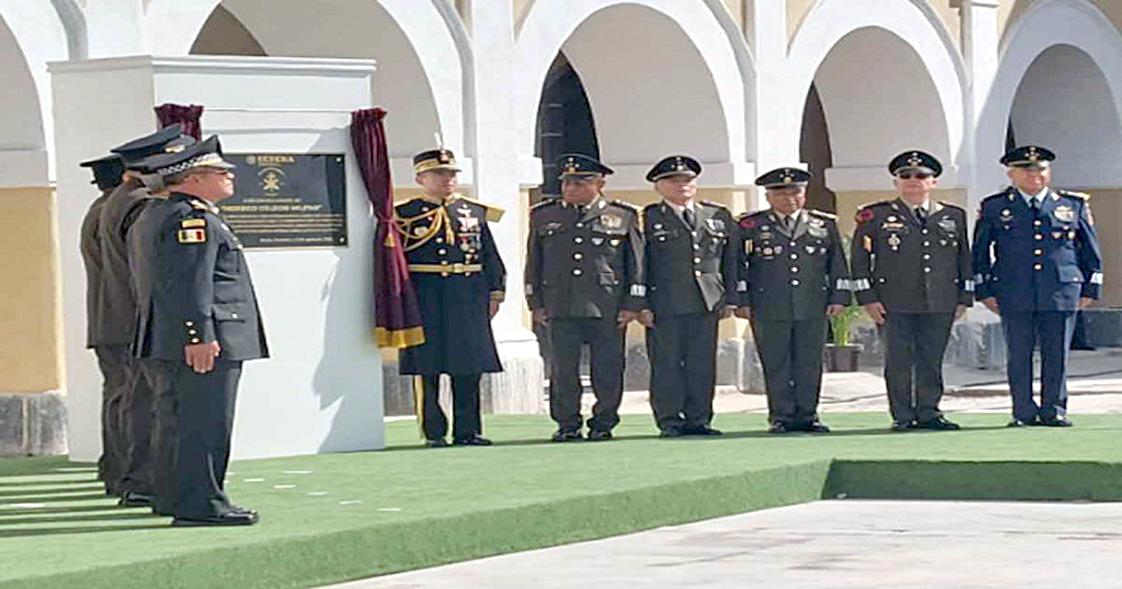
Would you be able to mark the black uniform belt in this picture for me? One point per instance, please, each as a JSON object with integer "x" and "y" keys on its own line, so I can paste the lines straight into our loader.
{"x": 456, "y": 268}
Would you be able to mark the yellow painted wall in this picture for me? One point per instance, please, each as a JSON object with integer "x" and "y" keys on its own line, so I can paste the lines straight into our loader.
{"x": 30, "y": 317}
{"x": 1107, "y": 208}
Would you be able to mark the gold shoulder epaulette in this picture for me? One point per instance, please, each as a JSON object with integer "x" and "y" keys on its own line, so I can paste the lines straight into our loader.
{"x": 822, "y": 214}
{"x": 626, "y": 205}
{"x": 710, "y": 203}
{"x": 545, "y": 203}
{"x": 1001, "y": 194}
{"x": 198, "y": 205}
{"x": 747, "y": 214}
{"x": 1073, "y": 194}
{"x": 494, "y": 213}
{"x": 870, "y": 205}
{"x": 951, "y": 205}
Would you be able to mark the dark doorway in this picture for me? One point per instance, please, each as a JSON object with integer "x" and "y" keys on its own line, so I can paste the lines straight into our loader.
{"x": 565, "y": 123}
{"x": 814, "y": 149}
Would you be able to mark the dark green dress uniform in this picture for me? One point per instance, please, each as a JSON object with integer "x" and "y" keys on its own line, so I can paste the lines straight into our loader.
{"x": 1038, "y": 258}
{"x": 917, "y": 264}
{"x": 194, "y": 287}
{"x": 107, "y": 173}
{"x": 788, "y": 278}
{"x": 583, "y": 266}
{"x": 691, "y": 262}
{"x": 456, "y": 270}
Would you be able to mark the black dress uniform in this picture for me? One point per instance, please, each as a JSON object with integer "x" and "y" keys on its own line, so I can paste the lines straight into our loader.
{"x": 456, "y": 271}
{"x": 583, "y": 266}
{"x": 789, "y": 275}
{"x": 691, "y": 262}
{"x": 916, "y": 262}
{"x": 1038, "y": 257}
{"x": 117, "y": 319}
{"x": 194, "y": 288}
{"x": 107, "y": 173}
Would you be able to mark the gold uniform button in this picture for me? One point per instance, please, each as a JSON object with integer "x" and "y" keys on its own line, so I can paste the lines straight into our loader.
{"x": 927, "y": 256}
{"x": 1038, "y": 252}
{"x": 927, "y": 270}
{"x": 577, "y": 272}
{"x": 442, "y": 251}
{"x": 1038, "y": 237}
{"x": 697, "y": 260}
{"x": 1038, "y": 267}
{"x": 444, "y": 275}
{"x": 1037, "y": 223}
{"x": 926, "y": 243}
{"x": 578, "y": 240}
{"x": 192, "y": 332}
{"x": 697, "y": 272}
{"x": 794, "y": 283}
{"x": 194, "y": 340}
{"x": 795, "y": 269}
{"x": 578, "y": 256}
{"x": 580, "y": 225}
{"x": 444, "y": 262}
{"x": 794, "y": 256}
{"x": 189, "y": 323}
{"x": 234, "y": 315}
{"x": 439, "y": 240}
{"x": 696, "y": 246}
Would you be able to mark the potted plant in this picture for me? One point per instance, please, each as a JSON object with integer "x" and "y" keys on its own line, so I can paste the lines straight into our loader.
{"x": 841, "y": 353}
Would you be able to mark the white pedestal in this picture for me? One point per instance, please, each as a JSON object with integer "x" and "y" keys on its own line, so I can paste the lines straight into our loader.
{"x": 322, "y": 389}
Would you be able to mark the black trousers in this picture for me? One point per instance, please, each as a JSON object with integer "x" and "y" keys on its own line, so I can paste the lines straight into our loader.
{"x": 791, "y": 354}
{"x": 465, "y": 406}
{"x": 195, "y": 413}
{"x": 606, "y": 348}
{"x": 914, "y": 345}
{"x": 139, "y": 420}
{"x": 116, "y": 365}
{"x": 683, "y": 355}
{"x": 1053, "y": 329}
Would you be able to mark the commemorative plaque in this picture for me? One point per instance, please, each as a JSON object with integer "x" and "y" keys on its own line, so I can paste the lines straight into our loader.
{"x": 288, "y": 200}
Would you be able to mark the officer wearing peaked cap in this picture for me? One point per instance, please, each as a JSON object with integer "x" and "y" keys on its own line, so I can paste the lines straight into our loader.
{"x": 911, "y": 271}
{"x": 107, "y": 172}
{"x": 691, "y": 261}
{"x": 460, "y": 282}
{"x": 1037, "y": 261}
{"x": 197, "y": 322}
{"x": 584, "y": 280}
{"x": 792, "y": 274}
{"x": 116, "y": 319}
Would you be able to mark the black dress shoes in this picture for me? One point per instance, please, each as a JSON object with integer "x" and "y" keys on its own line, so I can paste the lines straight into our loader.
{"x": 777, "y": 427}
{"x": 903, "y": 425}
{"x": 472, "y": 440}
{"x": 816, "y": 427}
{"x": 131, "y": 499}
{"x": 232, "y": 518}
{"x": 1056, "y": 421}
{"x": 1022, "y": 423}
{"x": 561, "y": 436}
{"x": 671, "y": 432}
{"x": 436, "y": 443}
{"x": 702, "y": 430}
{"x": 599, "y": 435}
{"x": 939, "y": 423}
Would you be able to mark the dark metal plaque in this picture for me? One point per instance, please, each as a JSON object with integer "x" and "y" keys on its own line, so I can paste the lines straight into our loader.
{"x": 288, "y": 200}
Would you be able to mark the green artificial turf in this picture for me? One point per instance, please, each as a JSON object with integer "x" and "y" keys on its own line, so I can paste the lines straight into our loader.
{"x": 331, "y": 518}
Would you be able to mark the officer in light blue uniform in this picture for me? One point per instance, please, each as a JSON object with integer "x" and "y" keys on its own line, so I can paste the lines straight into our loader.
{"x": 1036, "y": 262}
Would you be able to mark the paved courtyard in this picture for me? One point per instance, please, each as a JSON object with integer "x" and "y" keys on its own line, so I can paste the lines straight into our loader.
{"x": 836, "y": 544}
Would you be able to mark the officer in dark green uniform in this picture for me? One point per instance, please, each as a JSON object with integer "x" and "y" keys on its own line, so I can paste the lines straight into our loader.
{"x": 460, "y": 281}
{"x": 911, "y": 271}
{"x": 117, "y": 319}
{"x": 107, "y": 173}
{"x": 584, "y": 279}
{"x": 691, "y": 262}
{"x": 197, "y": 316}
{"x": 793, "y": 273}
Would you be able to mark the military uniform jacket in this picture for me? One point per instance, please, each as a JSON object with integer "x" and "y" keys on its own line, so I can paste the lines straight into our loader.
{"x": 456, "y": 270}
{"x": 908, "y": 266}
{"x": 584, "y": 265}
{"x": 1043, "y": 261}
{"x": 193, "y": 284}
{"x": 791, "y": 276}
{"x": 117, "y": 318}
{"x": 90, "y": 246}
{"x": 689, "y": 270}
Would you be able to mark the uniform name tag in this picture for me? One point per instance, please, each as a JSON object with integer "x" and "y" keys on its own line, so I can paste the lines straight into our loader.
{"x": 189, "y": 223}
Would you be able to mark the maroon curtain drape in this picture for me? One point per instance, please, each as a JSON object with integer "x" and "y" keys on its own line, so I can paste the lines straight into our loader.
{"x": 397, "y": 316}
{"x": 186, "y": 115}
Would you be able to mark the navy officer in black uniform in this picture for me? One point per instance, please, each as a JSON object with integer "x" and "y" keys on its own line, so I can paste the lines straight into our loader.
{"x": 460, "y": 281}
{"x": 1036, "y": 262}
{"x": 912, "y": 273}
{"x": 793, "y": 274}
{"x": 584, "y": 279}
{"x": 198, "y": 318}
{"x": 691, "y": 262}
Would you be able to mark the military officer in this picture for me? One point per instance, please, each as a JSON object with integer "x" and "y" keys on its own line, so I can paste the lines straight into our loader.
{"x": 691, "y": 261}
{"x": 584, "y": 280}
{"x": 460, "y": 282}
{"x": 198, "y": 318}
{"x": 793, "y": 274}
{"x": 107, "y": 173}
{"x": 1036, "y": 262}
{"x": 117, "y": 318}
{"x": 911, "y": 272}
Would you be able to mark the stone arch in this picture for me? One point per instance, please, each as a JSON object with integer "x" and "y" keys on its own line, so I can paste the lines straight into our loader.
{"x": 912, "y": 89}
{"x": 625, "y": 53}
{"x": 422, "y": 53}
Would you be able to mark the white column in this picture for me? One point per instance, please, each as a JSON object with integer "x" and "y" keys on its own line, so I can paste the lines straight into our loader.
{"x": 980, "y": 49}
{"x": 496, "y": 167}
{"x": 777, "y": 134}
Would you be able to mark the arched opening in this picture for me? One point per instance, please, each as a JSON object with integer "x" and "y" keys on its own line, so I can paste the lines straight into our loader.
{"x": 872, "y": 97}
{"x": 1065, "y": 103}
{"x": 814, "y": 151}
{"x": 351, "y": 29}
{"x": 565, "y": 124}
{"x": 21, "y": 122}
